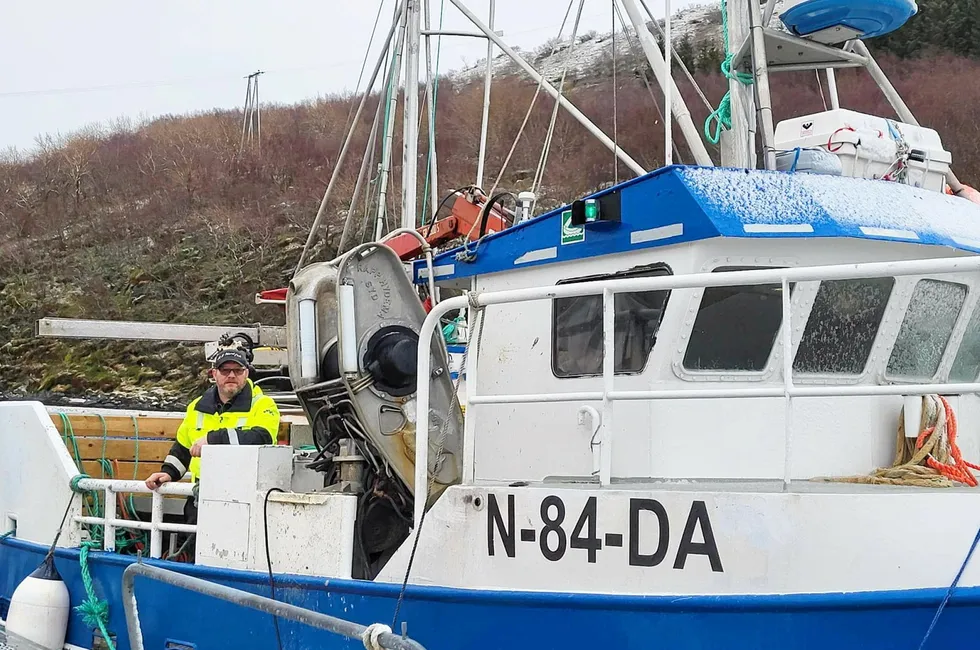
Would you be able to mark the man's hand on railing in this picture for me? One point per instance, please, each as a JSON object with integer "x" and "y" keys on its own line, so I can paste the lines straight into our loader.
{"x": 157, "y": 479}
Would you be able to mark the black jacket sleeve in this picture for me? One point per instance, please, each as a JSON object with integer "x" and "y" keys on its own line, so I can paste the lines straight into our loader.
{"x": 250, "y": 436}
{"x": 177, "y": 461}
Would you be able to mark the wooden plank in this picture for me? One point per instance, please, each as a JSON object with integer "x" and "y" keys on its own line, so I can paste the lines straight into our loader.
{"x": 150, "y": 450}
{"x": 125, "y": 469}
{"x": 92, "y": 425}
{"x": 122, "y": 427}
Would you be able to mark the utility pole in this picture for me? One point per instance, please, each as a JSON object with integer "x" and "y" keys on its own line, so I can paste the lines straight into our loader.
{"x": 252, "y": 121}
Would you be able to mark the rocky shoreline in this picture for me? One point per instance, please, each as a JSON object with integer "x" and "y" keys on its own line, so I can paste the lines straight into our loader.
{"x": 157, "y": 400}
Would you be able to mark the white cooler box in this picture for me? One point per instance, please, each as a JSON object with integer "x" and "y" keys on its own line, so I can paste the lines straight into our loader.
{"x": 867, "y": 147}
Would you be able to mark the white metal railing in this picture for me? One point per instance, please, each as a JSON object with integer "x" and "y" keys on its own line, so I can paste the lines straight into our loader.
{"x": 156, "y": 525}
{"x": 608, "y": 395}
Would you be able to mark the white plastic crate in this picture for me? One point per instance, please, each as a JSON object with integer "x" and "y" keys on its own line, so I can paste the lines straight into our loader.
{"x": 868, "y": 146}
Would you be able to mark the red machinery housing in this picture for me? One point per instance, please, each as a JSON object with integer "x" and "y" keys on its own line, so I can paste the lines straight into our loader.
{"x": 469, "y": 209}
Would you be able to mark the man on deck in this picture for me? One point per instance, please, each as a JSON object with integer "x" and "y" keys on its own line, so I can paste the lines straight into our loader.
{"x": 233, "y": 411}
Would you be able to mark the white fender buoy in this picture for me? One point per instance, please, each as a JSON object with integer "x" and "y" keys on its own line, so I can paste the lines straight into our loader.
{"x": 40, "y": 607}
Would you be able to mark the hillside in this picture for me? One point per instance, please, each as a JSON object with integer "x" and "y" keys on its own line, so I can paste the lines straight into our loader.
{"x": 165, "y": 221}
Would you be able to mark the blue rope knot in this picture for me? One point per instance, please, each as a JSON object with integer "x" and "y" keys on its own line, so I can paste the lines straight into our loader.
{"x": 75, "y": 481}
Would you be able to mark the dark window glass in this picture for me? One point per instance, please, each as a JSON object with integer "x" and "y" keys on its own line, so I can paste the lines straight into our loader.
{"x": 577, "y": 329}
{"x": 735, "y": 327}
{"x": 966, "y": 365}
{"x": 843, "y": 325}
{"x": 926, "y": 328}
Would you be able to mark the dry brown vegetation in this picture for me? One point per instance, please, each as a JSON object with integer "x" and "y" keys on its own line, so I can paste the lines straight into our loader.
{"x": 166, "y": 221}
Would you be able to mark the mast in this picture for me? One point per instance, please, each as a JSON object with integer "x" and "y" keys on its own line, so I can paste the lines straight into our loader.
{"x": 392, "y": 89}
{"x": 487, "y": 78}
{"x": 431, "y": 104}
{"x": 411, "y": 123}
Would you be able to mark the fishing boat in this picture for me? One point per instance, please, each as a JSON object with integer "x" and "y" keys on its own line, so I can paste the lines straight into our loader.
{"x": 705, "y": 407}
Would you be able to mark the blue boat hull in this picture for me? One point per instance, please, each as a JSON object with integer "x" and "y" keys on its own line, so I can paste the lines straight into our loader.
{"x": 444, "y": 619}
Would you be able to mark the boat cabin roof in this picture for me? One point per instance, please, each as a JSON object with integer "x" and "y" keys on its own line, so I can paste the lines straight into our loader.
{"x": 679, "y": 204}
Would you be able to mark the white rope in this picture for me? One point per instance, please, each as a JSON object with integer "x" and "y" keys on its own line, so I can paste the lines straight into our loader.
{"x": 371, "y": 637}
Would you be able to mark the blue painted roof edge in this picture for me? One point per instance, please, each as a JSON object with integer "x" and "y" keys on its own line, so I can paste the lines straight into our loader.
{"x": 688, "y": 206}
{"x": 610, "y": 238}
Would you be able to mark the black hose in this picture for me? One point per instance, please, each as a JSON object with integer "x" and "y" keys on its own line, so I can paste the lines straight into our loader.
{"x": 442, "y": 204}
{"x": 485, "y": 213}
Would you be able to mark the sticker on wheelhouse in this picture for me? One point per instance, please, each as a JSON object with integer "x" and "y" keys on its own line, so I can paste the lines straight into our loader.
{"x": 570, "y": 234}
{"x": 647, "y": 537}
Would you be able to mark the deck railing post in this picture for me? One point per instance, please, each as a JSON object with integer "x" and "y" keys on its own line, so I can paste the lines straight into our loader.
{"x": 787, "y": 377}
{"x": 608, "y": 377}
{"x": 156, "y": 518}
{"x": 109, "y": 537}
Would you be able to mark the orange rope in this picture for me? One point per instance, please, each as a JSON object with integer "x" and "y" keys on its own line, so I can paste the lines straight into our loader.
{"x": 959, "y": 470}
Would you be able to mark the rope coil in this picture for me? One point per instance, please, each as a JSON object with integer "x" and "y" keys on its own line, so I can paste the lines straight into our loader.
{"x": 932, "y": 459}
{"x": 371, "y": 637}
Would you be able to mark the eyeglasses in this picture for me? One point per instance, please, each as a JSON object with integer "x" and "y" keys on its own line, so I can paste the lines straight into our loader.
{"x": 227, "y": 372}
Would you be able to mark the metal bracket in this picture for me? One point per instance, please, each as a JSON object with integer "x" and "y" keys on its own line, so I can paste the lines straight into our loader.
{"x": 786, "y": 53}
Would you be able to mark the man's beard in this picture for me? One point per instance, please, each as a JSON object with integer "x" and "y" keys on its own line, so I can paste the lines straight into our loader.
{"x": 228, "y": 394}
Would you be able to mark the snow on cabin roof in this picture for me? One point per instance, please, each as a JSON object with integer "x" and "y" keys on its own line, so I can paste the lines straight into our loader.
{"x": 682, "y": 204}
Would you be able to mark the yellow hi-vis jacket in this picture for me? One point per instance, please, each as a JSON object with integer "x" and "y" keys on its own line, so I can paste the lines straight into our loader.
{"x": 252, "y": 418}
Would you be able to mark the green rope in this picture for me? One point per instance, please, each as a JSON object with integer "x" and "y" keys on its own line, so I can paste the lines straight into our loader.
{"x": 722, "y": 116}
{"x": 8, "y": 534}
{"x": 94, "y": 611}
{"x": 451, "y": 329}
{"x": 432, "y": 121}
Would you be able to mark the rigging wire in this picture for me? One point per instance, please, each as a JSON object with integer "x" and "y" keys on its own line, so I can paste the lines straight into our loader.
{"x": 530, "y": 108}
{"x": 546, "y": 149}
{"x": 367, "y": 53}
{"x": 638, "y": 52}
{"x": 678, "y": 58}
{"x": 615, "y": 64}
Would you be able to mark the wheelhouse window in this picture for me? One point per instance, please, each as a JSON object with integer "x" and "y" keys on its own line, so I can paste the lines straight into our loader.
{"x": 842, "y": 326}
{"x": 926, "y": 328}
{"x": 736, "y": 327}
{"x": 966, "y": 365}
{"x": 577, "y": 339}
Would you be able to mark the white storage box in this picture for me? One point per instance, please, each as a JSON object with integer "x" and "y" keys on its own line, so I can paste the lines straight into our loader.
{"x": 868, "y": 146}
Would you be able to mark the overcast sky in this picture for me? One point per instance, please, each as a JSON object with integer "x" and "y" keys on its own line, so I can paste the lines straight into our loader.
{"x": 69, "y": 64}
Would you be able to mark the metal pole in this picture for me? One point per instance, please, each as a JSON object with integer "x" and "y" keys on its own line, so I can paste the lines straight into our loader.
{"x": 787, "y": 378}
{"x": 891, "y": 94}
{"x": 451, "y": 32}
{"x": 245, "y": 112}
{"x": 410, "y": 148}
{"x": 608, "y": 378}
{"x": 832, "y": 88}
{"x": 388, "y": 138}
{"x": 761, "y": 75}
{"x": 770, "y": 9}
{"x": 677, "y": 105}
{"x": 109, "y": 532}
{"x": 361, "y": 174}
{"x": 487, "y": 78}
{"x": 258, "y": 115}
{"x": 343, "y": 151}
{"x": 536, "y": 76}
{"x": 738, "y": 144}
{"x": 290, "y": 612}
{"x": 431, "y": 103}
{"x": 668, "y": 134}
